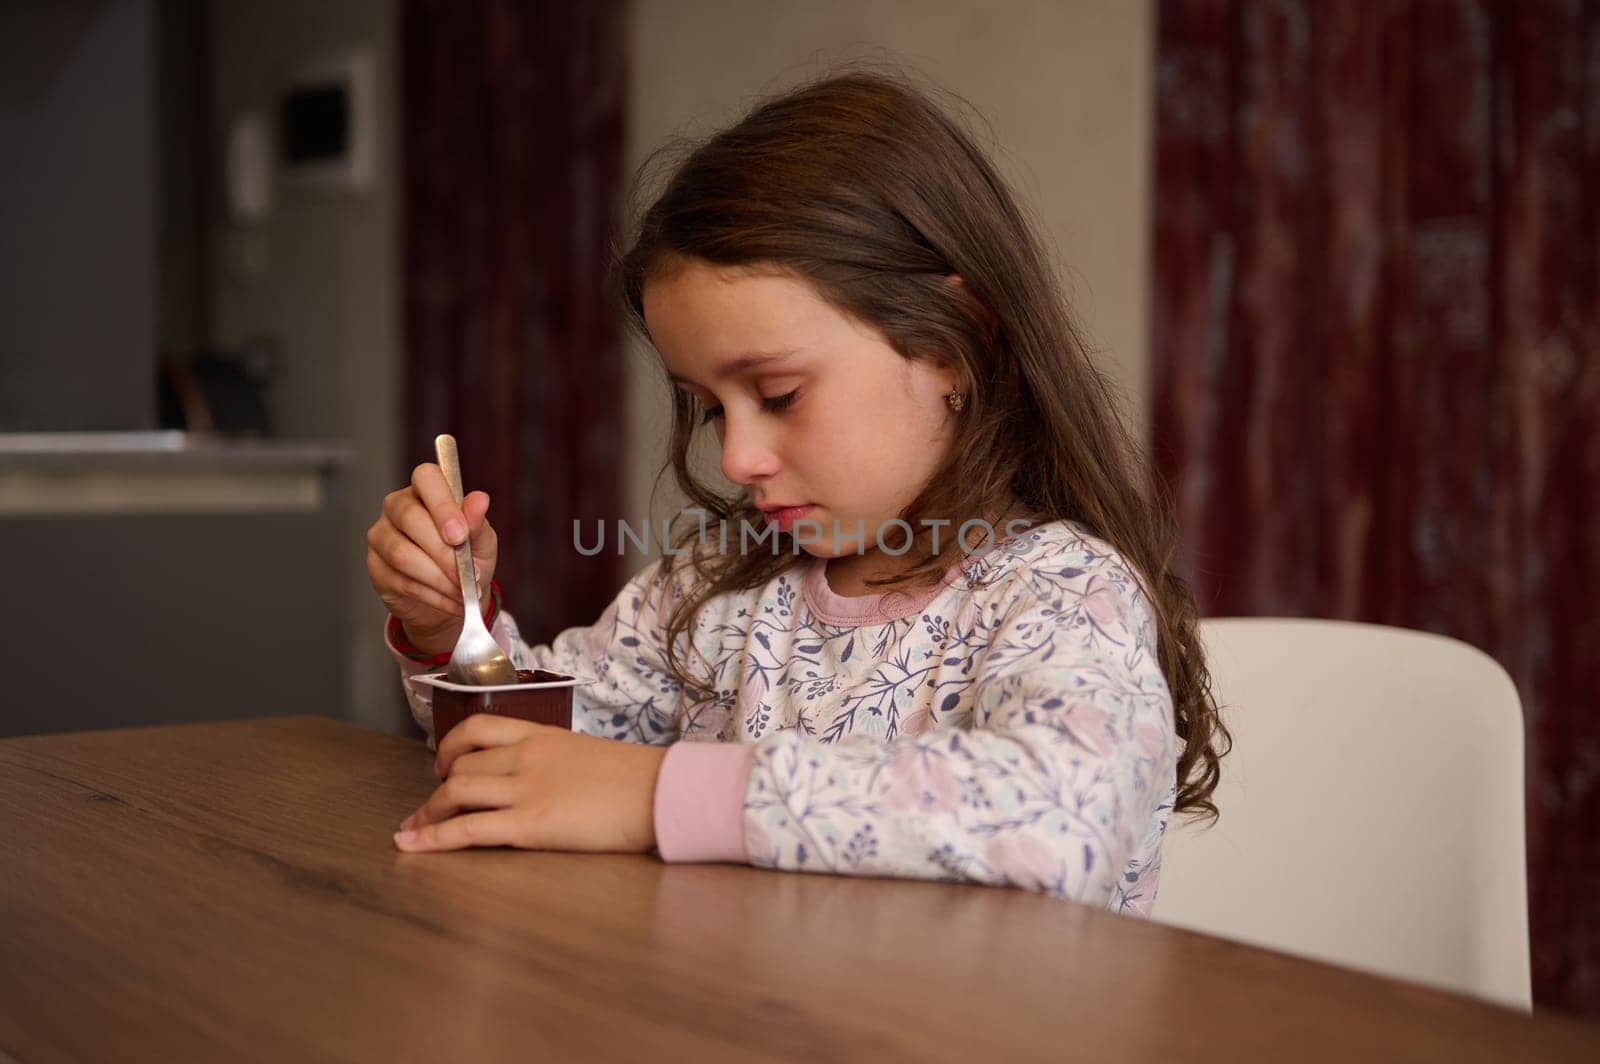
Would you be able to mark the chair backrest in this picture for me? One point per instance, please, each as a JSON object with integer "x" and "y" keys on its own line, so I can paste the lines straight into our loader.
{"x": 1371, "y": 809}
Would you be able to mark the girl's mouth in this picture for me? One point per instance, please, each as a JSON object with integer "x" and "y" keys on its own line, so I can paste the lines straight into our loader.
{"x": 786, "y": 516}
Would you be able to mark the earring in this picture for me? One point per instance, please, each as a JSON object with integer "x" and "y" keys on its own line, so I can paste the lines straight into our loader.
{"x": 956, "y": 400}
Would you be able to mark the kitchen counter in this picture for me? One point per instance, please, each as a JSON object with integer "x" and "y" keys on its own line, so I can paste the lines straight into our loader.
{"x": 64, "y": 473}
{"x": 137, "y": 549}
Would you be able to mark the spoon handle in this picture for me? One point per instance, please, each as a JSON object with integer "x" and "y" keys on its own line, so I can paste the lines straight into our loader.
{"x": 444, "y": 446}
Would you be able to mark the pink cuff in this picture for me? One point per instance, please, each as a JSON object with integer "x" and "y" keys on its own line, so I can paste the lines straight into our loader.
{"x": 699, "y": 807}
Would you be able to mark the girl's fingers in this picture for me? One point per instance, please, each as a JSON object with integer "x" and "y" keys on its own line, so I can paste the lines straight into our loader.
{"x": 460, "y": 793}
{"x": 450, "y": 524}
{"x": 393, "y": 583}
{"x": 414, "y": 523}
{"x": 404, "y": 556}
{"x": 497, "y": 828}
{"x": 485, "y": 544}
{"x": 500, "y": 761}
{"x": 481, "y": 731}
{"x": 474, "y": 507}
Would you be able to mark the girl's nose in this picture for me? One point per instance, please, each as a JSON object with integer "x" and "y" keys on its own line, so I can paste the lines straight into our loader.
{"x": 746, "y": 453}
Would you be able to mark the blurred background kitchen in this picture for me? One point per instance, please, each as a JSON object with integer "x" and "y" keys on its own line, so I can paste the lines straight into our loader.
{"x": 1340, "y": 258}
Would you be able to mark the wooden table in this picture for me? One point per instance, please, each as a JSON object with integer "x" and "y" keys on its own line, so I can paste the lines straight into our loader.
{"x": 230, "y": 891}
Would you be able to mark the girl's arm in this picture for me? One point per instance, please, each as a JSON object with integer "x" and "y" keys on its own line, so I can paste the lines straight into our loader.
{"x": 1058, "y": 778}
{"x": 633, "y": 694}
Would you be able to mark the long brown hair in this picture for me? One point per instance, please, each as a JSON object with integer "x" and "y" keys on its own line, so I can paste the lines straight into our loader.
{"x": 863, "y": 186}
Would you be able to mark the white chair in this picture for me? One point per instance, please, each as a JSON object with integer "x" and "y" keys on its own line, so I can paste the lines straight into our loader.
{"x": 1371, "y": 809}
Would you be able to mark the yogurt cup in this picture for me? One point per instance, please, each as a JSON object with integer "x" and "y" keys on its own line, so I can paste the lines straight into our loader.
{"x": 539, "y": 696}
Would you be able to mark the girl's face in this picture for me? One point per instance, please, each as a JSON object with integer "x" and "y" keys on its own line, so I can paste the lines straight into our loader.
{"x": 812, "y": 408}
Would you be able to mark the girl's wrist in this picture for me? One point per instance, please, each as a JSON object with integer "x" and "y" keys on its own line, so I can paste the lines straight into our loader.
{"x": 650, "y": 759}
{"x": 402, "y": 640}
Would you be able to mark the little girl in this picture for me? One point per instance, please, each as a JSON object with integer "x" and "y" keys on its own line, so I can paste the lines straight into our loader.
{"x": 953, "y": 647}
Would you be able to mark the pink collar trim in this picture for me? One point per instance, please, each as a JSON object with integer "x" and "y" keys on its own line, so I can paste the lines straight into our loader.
{"x": 850, "y": 611}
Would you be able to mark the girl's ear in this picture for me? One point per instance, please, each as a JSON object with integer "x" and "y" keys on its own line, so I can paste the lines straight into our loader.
{"x": 954, "y": 380}
{"x": 957, "y": 374}
{"x": 975, "y": 301}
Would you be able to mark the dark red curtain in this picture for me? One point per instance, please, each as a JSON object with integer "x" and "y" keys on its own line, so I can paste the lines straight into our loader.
{"x": 1377, "y": 356}
{"x": 513, "y": 134}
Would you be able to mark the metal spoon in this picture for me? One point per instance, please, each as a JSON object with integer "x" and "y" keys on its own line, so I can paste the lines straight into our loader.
{"x": 477, "y": 658}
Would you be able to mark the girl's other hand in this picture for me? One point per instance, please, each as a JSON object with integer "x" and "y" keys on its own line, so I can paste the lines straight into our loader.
{"x": 411, "y": 558}
{"x": 512, "y": 783}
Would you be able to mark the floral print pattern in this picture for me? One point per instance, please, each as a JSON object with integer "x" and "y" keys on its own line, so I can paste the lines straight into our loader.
{"x": 1014, "y": 730}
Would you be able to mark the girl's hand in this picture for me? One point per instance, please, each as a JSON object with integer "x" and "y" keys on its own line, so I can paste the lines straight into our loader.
{"x": 511, "y": 783}
{"x": 411, "y": 560}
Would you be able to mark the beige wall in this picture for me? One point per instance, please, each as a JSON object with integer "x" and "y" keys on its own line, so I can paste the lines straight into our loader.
{"x": 320, "y": 276}
{"x": 1066, "y": 85}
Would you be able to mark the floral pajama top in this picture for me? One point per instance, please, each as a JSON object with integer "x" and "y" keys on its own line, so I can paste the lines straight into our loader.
{"x": 1010, "y": 726}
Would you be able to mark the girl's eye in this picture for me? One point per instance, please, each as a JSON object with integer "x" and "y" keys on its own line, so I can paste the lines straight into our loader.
{"x": 774, "y": 404}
